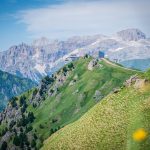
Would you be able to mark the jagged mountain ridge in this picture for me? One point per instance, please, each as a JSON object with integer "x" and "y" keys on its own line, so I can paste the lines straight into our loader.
{"x": 37, "y": 60}
{"x": 44, "y": 57}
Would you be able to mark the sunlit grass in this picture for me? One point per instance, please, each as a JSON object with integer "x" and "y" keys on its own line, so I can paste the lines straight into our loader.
{"x": 118, "y": 122}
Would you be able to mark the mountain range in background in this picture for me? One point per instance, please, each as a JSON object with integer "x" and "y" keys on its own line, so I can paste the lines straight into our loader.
{"x": 44, "y": 57}
{"x": 140, "y": 64}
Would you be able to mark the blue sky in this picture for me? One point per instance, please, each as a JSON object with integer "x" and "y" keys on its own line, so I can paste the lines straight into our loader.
{"x": 26, "y": 20}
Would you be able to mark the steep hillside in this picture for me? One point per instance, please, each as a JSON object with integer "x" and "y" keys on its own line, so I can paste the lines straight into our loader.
{"x": 121, "y": 121}
{"x": 10, "y": 86}
{"x": 58, "y": 101}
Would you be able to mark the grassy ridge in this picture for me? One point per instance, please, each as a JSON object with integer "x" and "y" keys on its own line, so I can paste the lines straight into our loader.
{"x": 70, "y": 102}
{"x": 68, "y": 105}
{"x": 108, "y": 125}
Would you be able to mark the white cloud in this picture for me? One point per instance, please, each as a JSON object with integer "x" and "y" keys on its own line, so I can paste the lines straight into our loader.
{"x": 68, "y": 19}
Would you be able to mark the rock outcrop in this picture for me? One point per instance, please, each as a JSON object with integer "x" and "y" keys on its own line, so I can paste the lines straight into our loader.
{"x": 93, "y": 63}
{"x": 132, "y": 80}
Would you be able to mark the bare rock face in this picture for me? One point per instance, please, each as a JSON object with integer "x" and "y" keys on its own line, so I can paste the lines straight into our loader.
{"x": 11, "y": 114}
{"x": 98, "y": 95}
{"x": 44, "y": 57}
{"x": 75, "y": 78}
{"x": 130, "y": 81}
{"x": 92, "y": 64}
{"x": 140, "y": 83}
{"x": 116, "y": 90}
{"x": 72, "y": 82}
{"x": 131, "y": 35}
{"x": 40, "y": 58}
{"x": 6, "y": 137}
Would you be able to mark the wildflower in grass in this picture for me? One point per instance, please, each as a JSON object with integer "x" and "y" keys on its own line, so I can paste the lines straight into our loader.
{"x": 140, "y": 135}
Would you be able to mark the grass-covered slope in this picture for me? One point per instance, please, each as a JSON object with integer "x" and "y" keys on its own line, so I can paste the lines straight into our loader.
{"x": 72, "y": 101}
{"x": 10, "y": 86}
{"x": 110, "y": 125}
{"x": 59, "y": 100}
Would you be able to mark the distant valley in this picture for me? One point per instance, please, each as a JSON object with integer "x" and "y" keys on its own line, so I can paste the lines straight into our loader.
{"x": 140, "y": 64}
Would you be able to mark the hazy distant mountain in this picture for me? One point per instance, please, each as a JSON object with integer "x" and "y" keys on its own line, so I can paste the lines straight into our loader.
{"x": 132, "y": 45}
{"x": 37, "y": 60}
{"x": 131, "y": 35}
{"x": 44, "y": 57}
{"x": 141, "y": 64}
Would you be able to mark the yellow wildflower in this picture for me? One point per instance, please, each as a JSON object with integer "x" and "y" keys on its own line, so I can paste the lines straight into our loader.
{"x": 139, "y": 135}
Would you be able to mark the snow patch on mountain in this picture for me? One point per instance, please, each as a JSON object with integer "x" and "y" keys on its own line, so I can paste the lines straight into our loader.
{"x": 40, "y": 68}
{"x": 44, "y": 57}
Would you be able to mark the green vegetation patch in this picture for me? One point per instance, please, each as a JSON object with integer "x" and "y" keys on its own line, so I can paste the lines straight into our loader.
{"x": 108, "y": 125}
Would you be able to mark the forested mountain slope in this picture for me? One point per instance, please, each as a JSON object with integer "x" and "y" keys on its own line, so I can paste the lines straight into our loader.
{"x": 59, "y": 100}
{"x": 11, "y": 85}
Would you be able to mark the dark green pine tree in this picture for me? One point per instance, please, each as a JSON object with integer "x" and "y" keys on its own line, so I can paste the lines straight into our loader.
{"x": 4, "y": 146}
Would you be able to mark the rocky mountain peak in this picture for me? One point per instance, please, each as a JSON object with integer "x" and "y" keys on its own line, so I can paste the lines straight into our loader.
{"x": 131, "y": 35}
{"x": 45, "y": 56}
{"x": 43, "y": 41}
